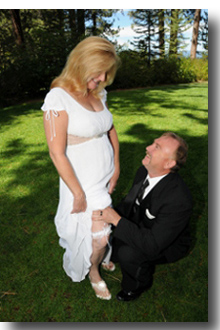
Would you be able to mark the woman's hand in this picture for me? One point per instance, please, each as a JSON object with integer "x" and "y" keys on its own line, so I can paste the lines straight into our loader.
{"x": 115, "y": 144}
{"x": 79, "y": 204}
{"x": 113, "y": 181}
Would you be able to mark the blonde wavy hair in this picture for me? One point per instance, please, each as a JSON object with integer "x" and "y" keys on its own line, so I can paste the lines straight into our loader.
{"x": 91, "y": 57}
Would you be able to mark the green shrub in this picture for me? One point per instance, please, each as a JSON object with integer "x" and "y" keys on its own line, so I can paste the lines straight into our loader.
{"x": 134, "y": 71}
{"x": 200, "y": 68}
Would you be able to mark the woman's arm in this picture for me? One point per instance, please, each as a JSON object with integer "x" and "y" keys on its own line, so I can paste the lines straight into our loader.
{"x": 113, "y": 137}
{"x": 57, "y": 148}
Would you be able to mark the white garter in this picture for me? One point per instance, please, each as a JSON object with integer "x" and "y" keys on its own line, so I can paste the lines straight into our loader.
{"x": 102, "y": 233}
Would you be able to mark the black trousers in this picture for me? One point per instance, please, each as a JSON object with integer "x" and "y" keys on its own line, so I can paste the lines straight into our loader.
{"x": 137, "y": 269}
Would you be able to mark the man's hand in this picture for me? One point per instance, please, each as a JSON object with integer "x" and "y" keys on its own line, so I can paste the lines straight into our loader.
{"x": 108, "y": 215}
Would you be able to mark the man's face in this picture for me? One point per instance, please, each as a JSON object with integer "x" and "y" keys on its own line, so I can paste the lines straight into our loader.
{"x": 160, "y": 156}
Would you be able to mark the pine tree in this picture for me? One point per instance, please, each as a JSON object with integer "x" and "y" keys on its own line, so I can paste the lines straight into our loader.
{"x": 178, "y": 22}
{"x": 100, "y": 21}
{"x": 161, "y": 32}
{"x": 203, "y": 31}
{"x": 144, "y": 24}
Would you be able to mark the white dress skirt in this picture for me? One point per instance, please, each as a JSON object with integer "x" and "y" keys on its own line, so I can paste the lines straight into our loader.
{"x": 93, "y": 164}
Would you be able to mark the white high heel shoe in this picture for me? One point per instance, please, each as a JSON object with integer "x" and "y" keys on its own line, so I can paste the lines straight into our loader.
{"x": 102, "y": 287}
{"x": 109, "y": 267}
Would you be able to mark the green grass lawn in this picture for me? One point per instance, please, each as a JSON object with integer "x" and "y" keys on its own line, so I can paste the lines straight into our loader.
{"x": 33, "y": 285}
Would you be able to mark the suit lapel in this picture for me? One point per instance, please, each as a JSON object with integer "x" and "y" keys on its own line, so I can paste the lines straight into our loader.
{"x": 131, "y": 196}
{"x": 161, "y": 184}
{"x": 157, "y": 189}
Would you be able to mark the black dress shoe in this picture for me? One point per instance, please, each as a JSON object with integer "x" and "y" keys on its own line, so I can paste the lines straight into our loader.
{"x": 130, "y": 295}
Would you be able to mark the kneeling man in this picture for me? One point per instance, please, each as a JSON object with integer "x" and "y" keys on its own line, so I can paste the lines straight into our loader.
{"x": 152, "y": 221}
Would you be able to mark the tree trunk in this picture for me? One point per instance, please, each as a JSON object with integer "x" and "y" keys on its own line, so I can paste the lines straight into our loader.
{"x": 161, "y": 33}
{"x": 174, "y": 32}
{"x": 17, "y": 28}
{"x": 94, "y": 23}
{"x": 149, "y": 42}
{"x": 195, "y": 33}
{"x": 81, "y": 23}
{"x": 72, "y": 22}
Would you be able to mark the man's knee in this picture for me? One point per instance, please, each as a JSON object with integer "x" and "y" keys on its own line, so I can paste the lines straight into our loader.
{"x": 127, "y": 255}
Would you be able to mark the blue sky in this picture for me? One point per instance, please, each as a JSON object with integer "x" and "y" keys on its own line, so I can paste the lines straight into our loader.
{"x": 127, "y": 33}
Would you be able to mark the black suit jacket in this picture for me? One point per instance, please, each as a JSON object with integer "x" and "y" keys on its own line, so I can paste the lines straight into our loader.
{"x": 161, "y": 225}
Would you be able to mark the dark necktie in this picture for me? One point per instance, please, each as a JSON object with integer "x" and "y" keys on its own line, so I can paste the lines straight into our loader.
{"x": 141, "y": 191}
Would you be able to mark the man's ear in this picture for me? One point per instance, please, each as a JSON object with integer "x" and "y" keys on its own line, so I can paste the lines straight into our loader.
{"x": 170, "y": 163}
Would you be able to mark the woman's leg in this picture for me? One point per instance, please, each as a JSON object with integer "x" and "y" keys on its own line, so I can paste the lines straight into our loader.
{"x": 100, "y": 234}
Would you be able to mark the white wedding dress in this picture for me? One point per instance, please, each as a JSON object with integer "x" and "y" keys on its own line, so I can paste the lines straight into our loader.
{"x": 93, "y": 163}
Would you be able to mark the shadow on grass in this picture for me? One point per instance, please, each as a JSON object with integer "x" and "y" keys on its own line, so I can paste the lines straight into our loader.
{"x": 28, "y": 191}
{"x": 141, "y": 101}
{"x": 9, "y": 115}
